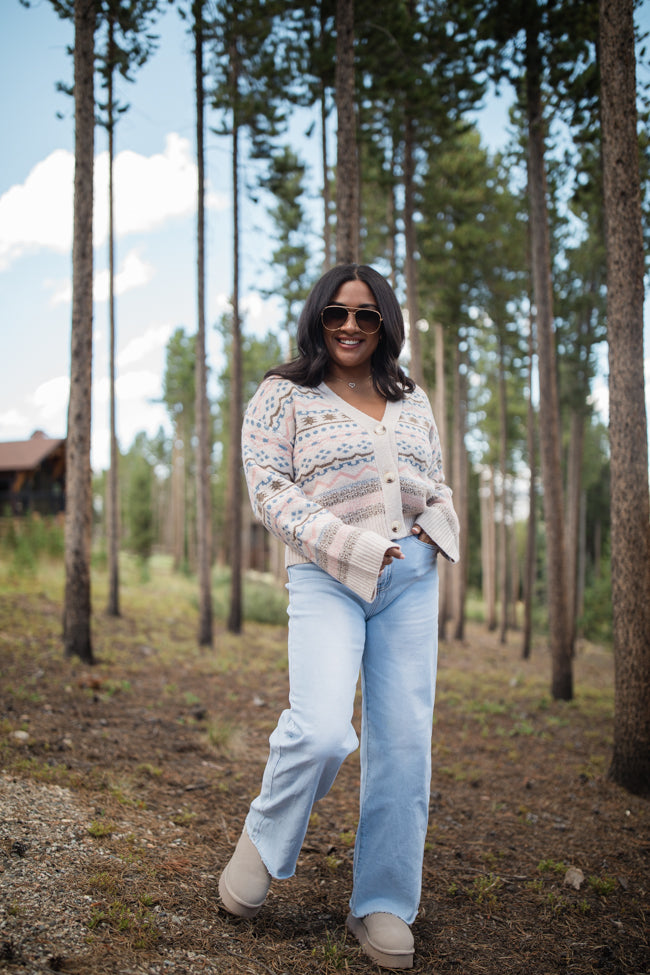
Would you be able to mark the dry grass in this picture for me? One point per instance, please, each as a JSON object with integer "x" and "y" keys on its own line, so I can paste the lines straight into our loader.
{"x": 162, "y": 744}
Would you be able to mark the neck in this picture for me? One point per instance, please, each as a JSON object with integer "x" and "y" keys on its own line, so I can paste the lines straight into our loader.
{"x": 350, "y": 377}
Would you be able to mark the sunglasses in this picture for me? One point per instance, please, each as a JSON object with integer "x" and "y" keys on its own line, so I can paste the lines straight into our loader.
{"x": 368, "y": 320}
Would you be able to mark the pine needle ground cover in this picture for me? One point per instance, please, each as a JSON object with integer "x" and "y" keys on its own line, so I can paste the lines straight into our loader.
{"x": 123, "y": 789}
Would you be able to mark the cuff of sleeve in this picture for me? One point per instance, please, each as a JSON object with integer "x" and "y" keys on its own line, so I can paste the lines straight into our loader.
{"x": 365, "y": 564}
{"x": 441, "y": 525}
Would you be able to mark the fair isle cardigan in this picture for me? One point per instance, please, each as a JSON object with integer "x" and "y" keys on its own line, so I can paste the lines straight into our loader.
{"x": 338, "y": 487}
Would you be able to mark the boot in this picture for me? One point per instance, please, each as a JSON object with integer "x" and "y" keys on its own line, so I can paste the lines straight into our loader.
{"x": 385, "y": 938}
{"x": 245, "y": 881}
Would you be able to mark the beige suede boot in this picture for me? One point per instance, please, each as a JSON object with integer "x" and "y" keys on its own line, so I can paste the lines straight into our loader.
{"x": 385, "y": 938}
{"x": 245, "y": 881}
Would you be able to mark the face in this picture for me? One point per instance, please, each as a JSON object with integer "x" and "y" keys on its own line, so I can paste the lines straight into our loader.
{"x": 350, "y": 349}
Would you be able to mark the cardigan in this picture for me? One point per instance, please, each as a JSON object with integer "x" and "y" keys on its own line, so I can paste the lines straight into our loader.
{"x": 339, "y": 487}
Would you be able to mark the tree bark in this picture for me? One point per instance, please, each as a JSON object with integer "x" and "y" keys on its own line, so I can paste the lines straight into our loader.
{"x": 410, "y": 260}
{"x": 573, "y": 495}
{"x": 112, "y": 495}
{"x": 460, "y": 491}
{"x": 347, "y": 157}
{"x": 503, "y": 524}
{"x": 561, "y": 651}
{"x": 203, "y": 444}
{"x": 78, "y": 522}
{"x": 327, "y": 192}
{"x": 531, "y": 528}
{"x": 440, "y": 413}
{"x": 234, "y": 453}
{"x": 630, "y": 765}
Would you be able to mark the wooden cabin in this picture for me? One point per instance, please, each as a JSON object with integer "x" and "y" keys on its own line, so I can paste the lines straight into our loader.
{"x": 32, "y": 475}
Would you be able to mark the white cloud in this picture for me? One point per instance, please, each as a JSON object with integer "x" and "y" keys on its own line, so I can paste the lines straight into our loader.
{"x": 14, "y": 425}
{"x": 38, "y": 214}
{"x": 138, "y": 386}
{"x": 133, "y": 273}
{"x": 143, "y": 346}
{"x": 149, "y": 191}
{"x": 50, "y": 401}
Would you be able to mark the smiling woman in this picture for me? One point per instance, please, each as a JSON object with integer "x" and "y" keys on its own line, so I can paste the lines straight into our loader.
{"x": 343, "y": 464}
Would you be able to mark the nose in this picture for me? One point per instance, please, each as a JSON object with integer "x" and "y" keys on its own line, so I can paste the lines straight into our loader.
{"x": 350, "y": 320}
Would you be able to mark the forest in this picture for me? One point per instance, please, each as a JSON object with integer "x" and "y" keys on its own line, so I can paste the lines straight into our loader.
{"x": 143, "y": 639}
{"x": 521, "y": 275}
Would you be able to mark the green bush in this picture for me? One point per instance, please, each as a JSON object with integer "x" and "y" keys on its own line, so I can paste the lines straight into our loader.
{"x": 596, "y": 620}
{"x": 24, "y": 540}
{"x": 264, "y": 601}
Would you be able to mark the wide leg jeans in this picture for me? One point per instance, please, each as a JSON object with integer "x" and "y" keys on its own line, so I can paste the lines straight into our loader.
{"x": 334, "y": 634}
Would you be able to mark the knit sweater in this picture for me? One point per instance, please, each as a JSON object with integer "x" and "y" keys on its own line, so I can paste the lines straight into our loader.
{"x": 338, "y": 487}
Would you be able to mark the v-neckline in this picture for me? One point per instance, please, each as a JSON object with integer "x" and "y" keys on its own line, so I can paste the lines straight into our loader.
{"x": 361, "y": 416}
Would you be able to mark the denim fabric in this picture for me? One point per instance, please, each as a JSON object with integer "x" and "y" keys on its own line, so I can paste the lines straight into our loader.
{"x": 393, "y": 641}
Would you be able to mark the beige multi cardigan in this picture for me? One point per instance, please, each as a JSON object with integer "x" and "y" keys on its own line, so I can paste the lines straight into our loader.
{"x": 339, "y": 487}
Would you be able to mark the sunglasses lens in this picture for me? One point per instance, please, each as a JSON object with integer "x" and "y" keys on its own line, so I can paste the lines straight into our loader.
{"x": 368, "y": 320}
{"x": 334, "y": 317}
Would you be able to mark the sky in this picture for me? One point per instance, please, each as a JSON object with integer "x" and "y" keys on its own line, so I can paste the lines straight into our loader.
{"x": 155, "y": 194}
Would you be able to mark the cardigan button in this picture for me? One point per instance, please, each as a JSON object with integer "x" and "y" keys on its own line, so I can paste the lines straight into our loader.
{"x": 380, "y": 429}
{"x": 395, "y": 527}
{"x": 389, "y": 477}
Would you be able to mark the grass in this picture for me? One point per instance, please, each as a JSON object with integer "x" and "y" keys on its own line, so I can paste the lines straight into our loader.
{"x": 171, "y": 742}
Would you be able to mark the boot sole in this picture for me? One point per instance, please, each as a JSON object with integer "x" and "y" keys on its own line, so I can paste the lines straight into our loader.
{"x": 386, "y": 959}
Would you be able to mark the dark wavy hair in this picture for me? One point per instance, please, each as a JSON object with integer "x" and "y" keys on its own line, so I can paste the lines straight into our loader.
{"x": 310, "y": 366}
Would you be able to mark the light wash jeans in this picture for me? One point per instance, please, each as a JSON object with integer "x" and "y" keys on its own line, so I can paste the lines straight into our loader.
{"x": 393, "y": 640}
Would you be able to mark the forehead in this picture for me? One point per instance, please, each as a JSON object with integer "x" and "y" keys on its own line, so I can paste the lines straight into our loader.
{"x": 354, "y": 293}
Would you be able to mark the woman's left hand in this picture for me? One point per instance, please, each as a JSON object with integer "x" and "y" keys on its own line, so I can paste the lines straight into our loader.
{"x": 422, "y": 535}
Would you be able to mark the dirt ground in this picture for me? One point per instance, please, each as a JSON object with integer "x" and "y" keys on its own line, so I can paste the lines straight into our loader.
{"x": 123, "y": 789}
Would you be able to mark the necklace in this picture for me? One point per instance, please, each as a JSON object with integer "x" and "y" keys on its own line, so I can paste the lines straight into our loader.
{"x": 352, "y": 385}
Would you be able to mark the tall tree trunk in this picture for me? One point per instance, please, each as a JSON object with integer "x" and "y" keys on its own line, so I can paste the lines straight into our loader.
{"x": 78, "y": 522}
{"x": 531, "y": 527}
{"x": 440, "y": 413}
{"x": 417, "y": 368}
{"x": 491, "y": 610}
{"x": 178, "y": 496}
{"x": 347, "y": 155}
{"x": 460, "y": 490}
{"x": 236, "y": 396}
{"x": 203, "y": 444}
{"x": 627, "y": 415}
{"x": 484, "y": 510}
{"x": 327, "y": 191}
{"x": 561, "y": 650}
{"x": 515, "y": 577}
{"x": 503, "y": 524}
{"x": 112, "y": 496}
{"x": 572, "y": 525}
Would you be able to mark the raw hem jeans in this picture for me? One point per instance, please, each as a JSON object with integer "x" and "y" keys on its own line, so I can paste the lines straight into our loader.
{"x": 393, "y": 641}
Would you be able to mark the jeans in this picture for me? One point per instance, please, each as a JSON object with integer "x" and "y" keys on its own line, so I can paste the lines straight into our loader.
{"x": 393, "y": 641}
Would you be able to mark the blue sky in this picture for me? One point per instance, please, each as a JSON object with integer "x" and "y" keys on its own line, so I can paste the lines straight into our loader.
{"x": 155, "y": 221}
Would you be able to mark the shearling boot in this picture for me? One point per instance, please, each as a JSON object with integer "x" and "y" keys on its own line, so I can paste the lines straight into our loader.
{"x": 245, "y": 881}
{"x": 385, "y": 938}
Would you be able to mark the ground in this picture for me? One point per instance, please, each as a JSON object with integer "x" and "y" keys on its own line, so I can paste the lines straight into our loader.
{"x": 123, "y": 789}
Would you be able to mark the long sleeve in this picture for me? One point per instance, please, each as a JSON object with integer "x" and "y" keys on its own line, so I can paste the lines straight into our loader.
{"x": 439, "y": 519}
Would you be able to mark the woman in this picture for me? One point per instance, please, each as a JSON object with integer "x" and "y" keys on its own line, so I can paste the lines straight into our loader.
{"x": 342, "y": 460}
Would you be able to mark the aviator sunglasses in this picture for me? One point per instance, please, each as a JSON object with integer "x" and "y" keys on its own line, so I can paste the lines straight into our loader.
{"x": 334, "y": 317}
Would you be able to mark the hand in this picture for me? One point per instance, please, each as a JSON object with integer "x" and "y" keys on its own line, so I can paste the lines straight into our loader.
{"x": 422, "y": 535}
{"x": 394, "y": 552}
